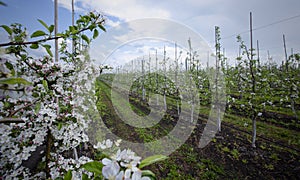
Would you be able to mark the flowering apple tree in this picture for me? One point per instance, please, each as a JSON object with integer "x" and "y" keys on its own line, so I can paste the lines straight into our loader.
{"x": 44, "y": 107}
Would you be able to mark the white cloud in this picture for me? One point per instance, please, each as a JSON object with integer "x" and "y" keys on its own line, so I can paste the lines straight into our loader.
{"x": 126, "y": 10}
{"x": 112, "y": 23}
{"x": 68, "y": 5}
{"x": 232, "y": 16}
{"x": 135, "y": 38}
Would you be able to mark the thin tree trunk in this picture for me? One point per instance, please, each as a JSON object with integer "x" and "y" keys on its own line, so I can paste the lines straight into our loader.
{"x": 49, "y": 138}
{"x": 156, "y": 77}
{"x": 253, "y": 130}
{"x": 251, "y": 64}
{"x": 285, "y": 54}
{"x": 218, "y": 57}
{"x": 49, "y": 143}
{"x": 219, "y": 120}
{"x": 143, "y": 79}
{"x": 73, "y": 20}
{"x": 192, "y": 111}
{"x": 56, "y": 28}
{"x": 165, "y": 80}
{"x": 73, "y": 51}
{"x": 165, "y": 101}
{"x": 178, "y": 108}
{"x": 258, "y": 58}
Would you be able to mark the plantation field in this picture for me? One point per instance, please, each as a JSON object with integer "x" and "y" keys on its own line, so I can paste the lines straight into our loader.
{"x": 151, "y": 99}
{"x": 229, "y": 155}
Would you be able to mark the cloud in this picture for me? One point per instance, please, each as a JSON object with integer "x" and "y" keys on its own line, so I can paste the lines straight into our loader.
{"x": 68, "y": 5}
{"x": 126, "y": 10}
{"x": 232, "y": 16}
{"x": 141, "y": 37}
{"x": 112, "y": 23}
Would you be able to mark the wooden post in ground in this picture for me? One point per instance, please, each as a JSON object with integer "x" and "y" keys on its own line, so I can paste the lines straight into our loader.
{"x": 285, "y": 54}
{"x": 258, "y": 58}
{"x": 253, "y": 83}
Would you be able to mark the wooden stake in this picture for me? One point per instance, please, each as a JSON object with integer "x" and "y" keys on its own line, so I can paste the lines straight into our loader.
{"x": 251, "y": 38}
{"x": 190, "y": 48}
{"x": 253, "y": 83}
{"x": 73, "y": 40}
{"x": 176, "y": 61}
{"x": 56, "y": 28}
{"x": 207, "y": 59}
{"x": 269, "y": 60}
{"x": 258, "y": 58}
{"x": 285, "y": 53}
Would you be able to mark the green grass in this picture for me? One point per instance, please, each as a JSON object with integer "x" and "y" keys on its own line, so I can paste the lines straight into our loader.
{"x": 289, "y": 137}
{"x": 205, "y": 168}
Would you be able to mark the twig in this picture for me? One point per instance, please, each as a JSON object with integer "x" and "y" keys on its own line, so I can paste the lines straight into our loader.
{"x": 44, "y": 40}
{"x": 8, "y": 89}
{"x": 29, "y": 42}
{"x": 30, "y": 104}
{"x": 11, "y": 120}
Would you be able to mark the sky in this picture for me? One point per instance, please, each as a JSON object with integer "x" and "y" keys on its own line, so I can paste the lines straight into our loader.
{"x": 137, "y": 28}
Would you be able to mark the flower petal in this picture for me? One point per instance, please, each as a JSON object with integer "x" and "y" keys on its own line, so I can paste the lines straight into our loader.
{"x": 106, "y": 161}
{"x": 145, "y": 178}
{"x": 127, "y": 173}
{"x": 120, "y": 175}
{"x": 106, "y": 171}
{"x": 137, "y": 175}
{"x": 115, "y": 167}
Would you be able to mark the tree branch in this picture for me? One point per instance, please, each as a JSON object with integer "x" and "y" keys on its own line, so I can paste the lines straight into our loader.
{"x": 11, "y": 120}
{"x": 44, "y": 40}
{"x": 27, "y": 105}
{"x": 29, "y": 42}
{"x": 8, "y": 89}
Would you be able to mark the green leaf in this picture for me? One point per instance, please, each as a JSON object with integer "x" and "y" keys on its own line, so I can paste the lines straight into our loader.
{"x": 94, "y": 167}
{"x": 38, "y": 34}
{"x": 68, "y": 175}
{"x": 9, "y": 65}
{"x": 93, "y": 26}
{"x": 7, "y": 29}
{"x": 14, "y": 81}
{"x": 85, "y": 177}
{"x": 37, "y": 107}
{"x": 72, "y": 29}
{"x": 6, "y": 104}
{"x": 44, "y": 24}
{"x": 48, "y": 49}
{"x": 148, "y": 173}
{"x": 79, "y": 21}
{"x": 46, "y": 46}
{"x": 151, "y": 160}
{"x": 11, "y": 68}
{"x": 51, "y": 28}
{"x": 96, "y": 33}
{"x": 34, "y": 46}
{"x": 60, "y": 35}
{"x": 85, "y": 38}
{"x": 45, "y": 84}
{"x": 2, "y": 3}
{"x": 101, "y": 27}
{"x": 59, "y": 126}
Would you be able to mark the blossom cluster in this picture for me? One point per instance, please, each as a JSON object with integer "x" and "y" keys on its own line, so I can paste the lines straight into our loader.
{"x": 123, "y": 164}
{"x": 55, "y": 101}
{"x": 46, "y": 107}
{"x": 59, "y": 100}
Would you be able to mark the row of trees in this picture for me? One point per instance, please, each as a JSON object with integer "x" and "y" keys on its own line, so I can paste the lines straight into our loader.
{"x": 255, "y": 90}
